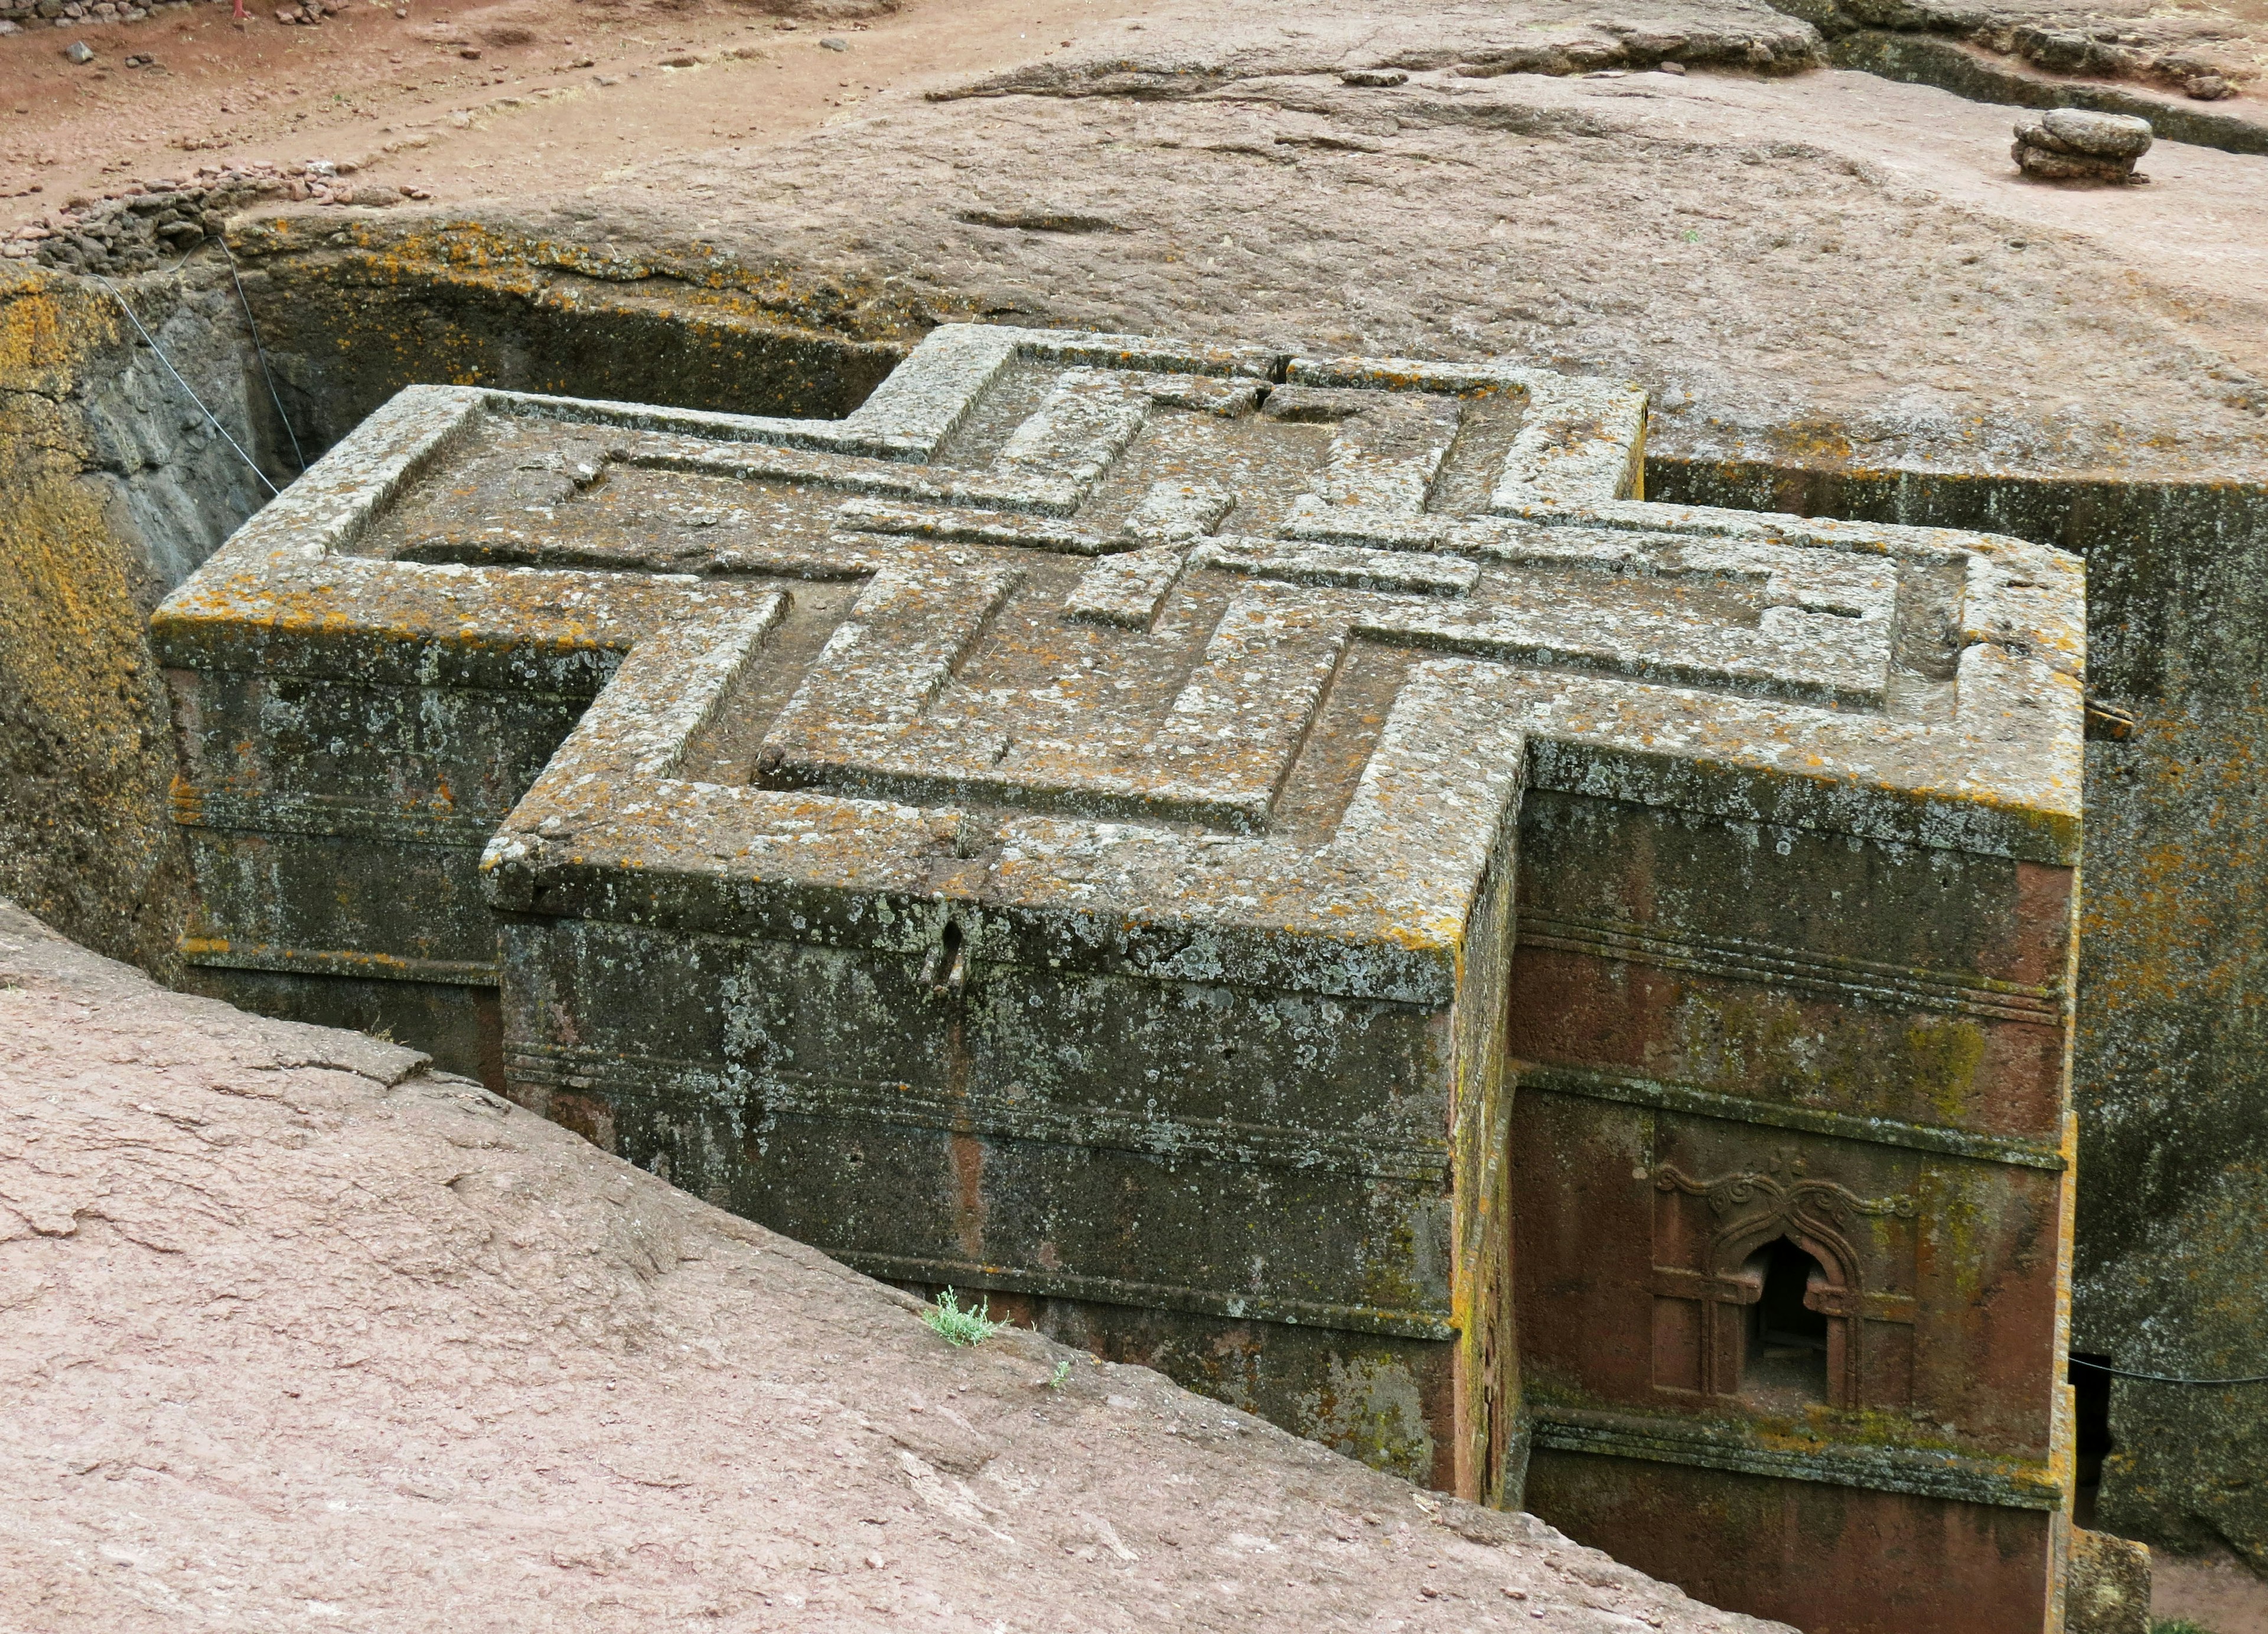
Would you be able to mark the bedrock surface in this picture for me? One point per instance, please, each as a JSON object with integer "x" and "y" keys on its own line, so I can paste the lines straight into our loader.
{"x": 299, "y": 1333}
{"x": 1815, "y": 265}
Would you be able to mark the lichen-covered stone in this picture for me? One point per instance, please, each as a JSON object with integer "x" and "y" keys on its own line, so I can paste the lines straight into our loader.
{"x": 1266, "y": 865}
{"x": 2074, "y": 144}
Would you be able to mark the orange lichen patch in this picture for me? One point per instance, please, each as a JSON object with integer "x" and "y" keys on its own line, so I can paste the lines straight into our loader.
{"x": 85, "y": 837}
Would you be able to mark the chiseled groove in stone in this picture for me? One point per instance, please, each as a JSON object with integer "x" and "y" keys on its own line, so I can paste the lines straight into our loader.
{"x": 1791, "y": 576}
{"x": 1175, "y": 512}
{"x": 1582, "y": 439}
{"x": 508, "y": 546}
{"x": 1079, "y": 430}
{"x": 975, "y": 527}
{"x": 1414, "y": 374}
{"x": 565, "y": 1066}
{"x": 882, "y": 667}
{"x": 714, "y": 651}
{"x": 760, "y": 462}
{"x": 1148, "y": 353}
{"x": 1237, "y": 725}
{"x": 1127, "y": 589}
{"x": 708, "y": 425}
{"x": 911, "y": 413}
{"x": 1758, "y": 961}
{"x": 878, "y": 478}
{"x": 2004, "y": 605}
{"x": 335, "y": 500}
{"x": 1044, "y": 1122}
{"x": 2050, "y": 627}
{"x": 1214, "y": 1139}
{"x": 969, "y": 1274}
{"x": 2002, "y": 1484}
{"x": 228, "y": 956}
{"x": 333, "y": 815}
{"x": 1389, "y": 458}
{"x": 1218, "y": 754}
{"x": 1721, "y": 659}
{"x": 1639, "y": 1092}
{"x": 1340, "y": 566}
{"x": 1387, "y": 450}
{"x": 1579, "y": 441}
{"x": 1075, "y": 793}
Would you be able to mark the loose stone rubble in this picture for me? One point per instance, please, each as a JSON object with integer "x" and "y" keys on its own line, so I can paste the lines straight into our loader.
{"x": 145, "y": 224}
{"x": 2204, "y": 54}
{"x": 21, "y": 14}
{"x": 1107, "y": 806}
{"x": 2070, "y": 144}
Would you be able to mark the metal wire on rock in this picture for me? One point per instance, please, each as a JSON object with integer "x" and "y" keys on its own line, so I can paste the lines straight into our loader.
{"x": 184, "y": 384}
{"x": 298, "y": 459}
{"x": 2125, "y": 1373}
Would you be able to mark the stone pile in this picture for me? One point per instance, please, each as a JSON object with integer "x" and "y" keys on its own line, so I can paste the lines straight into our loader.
{"x": 15, "y": 15}
{"x": 2072, "y": 145}
{"x": 133, "y": 229}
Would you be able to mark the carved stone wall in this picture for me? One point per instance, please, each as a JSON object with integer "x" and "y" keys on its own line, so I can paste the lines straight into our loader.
{"x": 1250, "y": 860}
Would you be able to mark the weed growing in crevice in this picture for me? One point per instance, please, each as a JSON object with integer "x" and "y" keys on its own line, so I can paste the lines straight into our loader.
{"x": 959, "y": 1324}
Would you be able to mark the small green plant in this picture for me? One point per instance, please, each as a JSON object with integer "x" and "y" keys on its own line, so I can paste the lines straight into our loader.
{"x": 2176, "y": 1625}
{"x": 956, "y": 1323}
{"x": 1062, "y": 1375}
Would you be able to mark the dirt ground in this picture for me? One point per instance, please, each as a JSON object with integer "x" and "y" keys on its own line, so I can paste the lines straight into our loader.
{"x": 563, "y": 93}
{"x": 2215, "y": 1592}
{"x": 299, "y": 1334}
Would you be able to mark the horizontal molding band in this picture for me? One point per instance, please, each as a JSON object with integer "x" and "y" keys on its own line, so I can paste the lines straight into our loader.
{"x": 1004, "y": 1116}
{"x": 1907, "y": 988}
{"x": 964, "y": 1275}
{"x": 1639, "y": 1092}
{"x": 557, "y": 1066}
{"x": 328, "y": 816}
{"x": 1889, "y": 1470}
{"x": 218, "y": 952}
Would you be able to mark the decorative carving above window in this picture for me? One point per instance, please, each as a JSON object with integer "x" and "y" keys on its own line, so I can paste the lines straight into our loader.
{"x": 1705, "y": 1279}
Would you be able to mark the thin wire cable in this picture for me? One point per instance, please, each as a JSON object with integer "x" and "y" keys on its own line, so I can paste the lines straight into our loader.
{"x": 298, "y": 460}
{"x": 2124, "y": 1372}
{"x": 185, "y": 386}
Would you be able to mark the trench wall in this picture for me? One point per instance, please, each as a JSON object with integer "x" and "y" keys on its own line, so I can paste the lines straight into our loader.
{"x": 116, "y": 487}
{"x": 2170, "y": 1061}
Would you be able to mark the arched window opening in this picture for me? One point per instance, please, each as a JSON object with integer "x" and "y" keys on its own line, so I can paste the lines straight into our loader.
{"x": 1786, "y": 1361}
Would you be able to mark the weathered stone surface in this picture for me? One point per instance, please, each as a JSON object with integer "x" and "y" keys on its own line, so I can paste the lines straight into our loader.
{"x": 2105, "y": 136}
{"x": 2068, "y": 145}
{"x": 112, "y": 487}
{"x": 2051, "y": 164}
{"x": 1885, "y": 331}
{"x": 2109, "y": 1591}
{"x": 1108, "y": 806}
{"x": 354, "y": 1343}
